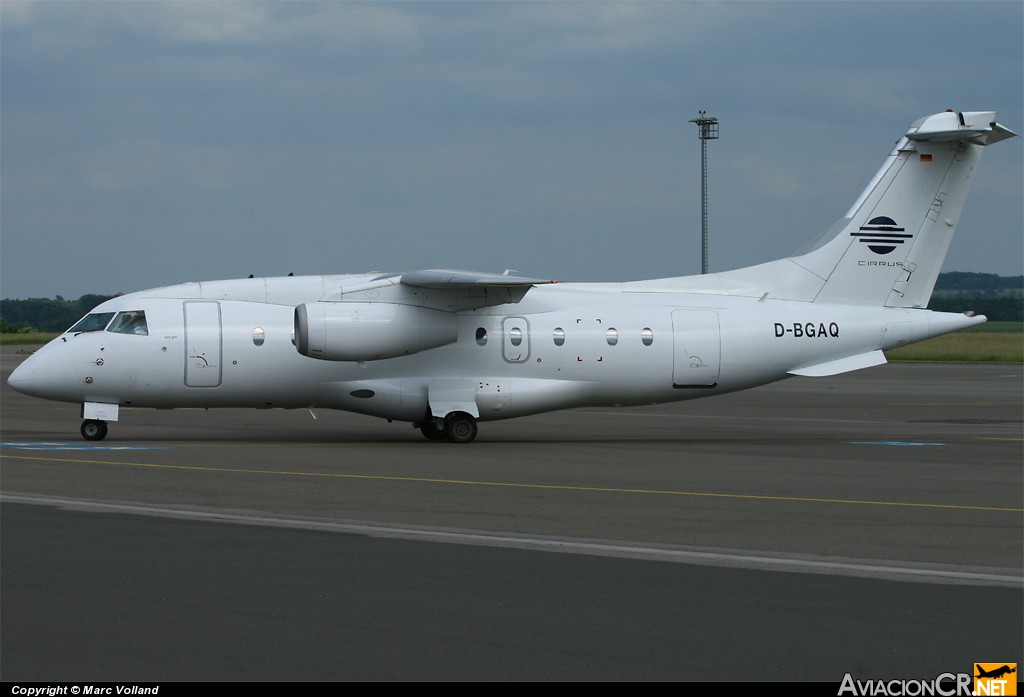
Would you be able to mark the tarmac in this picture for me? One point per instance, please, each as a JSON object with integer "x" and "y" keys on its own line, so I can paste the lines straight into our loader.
{"x": 869, "y": 523}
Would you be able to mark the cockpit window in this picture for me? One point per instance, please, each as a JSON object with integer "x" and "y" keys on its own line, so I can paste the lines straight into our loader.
{"x": 133, "y": 322}
{"x": 95, "y": 322}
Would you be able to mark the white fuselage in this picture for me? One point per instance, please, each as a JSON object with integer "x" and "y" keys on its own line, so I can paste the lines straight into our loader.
{"x": 563, "y": 345}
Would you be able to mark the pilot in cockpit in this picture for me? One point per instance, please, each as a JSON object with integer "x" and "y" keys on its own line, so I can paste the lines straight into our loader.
{"x": 130, "y": 323}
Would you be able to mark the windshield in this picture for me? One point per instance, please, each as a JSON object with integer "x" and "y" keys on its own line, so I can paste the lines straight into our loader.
{"x": 96, "y": 322}
{"x": 133, "y": 322}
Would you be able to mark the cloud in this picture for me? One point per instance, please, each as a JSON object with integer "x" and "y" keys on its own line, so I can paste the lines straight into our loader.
{"x": 152, "y": 164}
{"x": 380, "y": 133}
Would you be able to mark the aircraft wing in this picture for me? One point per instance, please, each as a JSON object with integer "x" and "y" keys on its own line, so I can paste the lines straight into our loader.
{"x": 468, "y": 290}
{"x": 447, "y": 278}
{"x": 439, "y": 289}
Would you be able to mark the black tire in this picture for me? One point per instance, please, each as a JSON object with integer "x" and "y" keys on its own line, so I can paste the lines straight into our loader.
{"x": 460, "y": 427}
{"x": 430, "y": 431}
{"x": 93, "y": 429}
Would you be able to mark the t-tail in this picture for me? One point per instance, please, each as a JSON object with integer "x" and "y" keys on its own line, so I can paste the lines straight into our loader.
{"x": 889, "y": 247}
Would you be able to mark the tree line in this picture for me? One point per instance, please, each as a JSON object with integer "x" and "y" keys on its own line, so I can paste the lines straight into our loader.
{"x": 44, "y": 314}
{"x": 1007, "y": 309}
{"x": 971, "y": 281}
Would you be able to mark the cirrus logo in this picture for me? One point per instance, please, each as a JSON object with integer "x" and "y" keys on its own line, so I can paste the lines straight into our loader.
{"x": 882, "y": 235}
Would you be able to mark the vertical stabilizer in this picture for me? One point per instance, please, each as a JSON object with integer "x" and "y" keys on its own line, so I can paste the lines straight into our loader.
{"x": 890, "y": 246}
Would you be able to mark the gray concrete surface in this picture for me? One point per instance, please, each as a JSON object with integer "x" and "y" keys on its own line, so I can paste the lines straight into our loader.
{"x": 872, "y": 521}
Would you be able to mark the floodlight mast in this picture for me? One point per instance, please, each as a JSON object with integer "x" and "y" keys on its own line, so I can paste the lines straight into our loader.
{"x": 707, "y": 130}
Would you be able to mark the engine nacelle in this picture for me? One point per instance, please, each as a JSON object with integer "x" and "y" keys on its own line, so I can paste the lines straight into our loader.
{"x": 339, "y": 331}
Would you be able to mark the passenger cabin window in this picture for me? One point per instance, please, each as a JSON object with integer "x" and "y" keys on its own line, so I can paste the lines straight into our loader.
{"x": 95, "y": 322}
{"x": 481, "y": 336}
{"x": 133, "y": 322}
{"x": 647, "y": 336}
{"x": 613, "y": 336}
{"x": 559, "y": 336}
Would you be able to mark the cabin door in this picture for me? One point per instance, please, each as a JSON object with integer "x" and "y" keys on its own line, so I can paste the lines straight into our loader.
{"x": 203, "y": 343}
{"x": 697, "y": 348}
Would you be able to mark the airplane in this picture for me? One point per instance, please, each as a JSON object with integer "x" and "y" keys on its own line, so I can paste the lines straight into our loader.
{"x": 446, "y": 349}
{"x": 995, "y": 673}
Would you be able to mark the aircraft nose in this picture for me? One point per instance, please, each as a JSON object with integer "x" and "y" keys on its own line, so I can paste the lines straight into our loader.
{"x": 23, "y": 378}
{"x": 47, "y": 374}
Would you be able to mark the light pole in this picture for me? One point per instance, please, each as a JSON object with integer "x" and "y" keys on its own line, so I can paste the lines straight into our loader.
{"x": 708, "y": 130}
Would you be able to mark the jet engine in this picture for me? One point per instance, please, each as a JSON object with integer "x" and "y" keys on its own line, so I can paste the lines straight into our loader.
{"x": 351, "y": 331}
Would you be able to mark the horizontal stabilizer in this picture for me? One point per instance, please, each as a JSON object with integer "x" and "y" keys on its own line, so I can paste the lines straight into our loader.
{"x": 965, "y": 126}
{"x": 842, "y": 365}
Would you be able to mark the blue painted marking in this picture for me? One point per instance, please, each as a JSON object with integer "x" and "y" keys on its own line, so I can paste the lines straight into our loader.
{"x": 889, "y": 442}
{"x": 68, "y": 446}
{"x": 18, "y": 445}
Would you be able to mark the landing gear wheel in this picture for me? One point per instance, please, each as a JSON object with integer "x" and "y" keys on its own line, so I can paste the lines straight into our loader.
{"x": 431, "y": 431}
{"x": 460, "y": 427}
{"x": 93, "y": 429}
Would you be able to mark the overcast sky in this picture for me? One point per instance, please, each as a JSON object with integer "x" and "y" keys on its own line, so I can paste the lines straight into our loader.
{"x": 143, "y": 144}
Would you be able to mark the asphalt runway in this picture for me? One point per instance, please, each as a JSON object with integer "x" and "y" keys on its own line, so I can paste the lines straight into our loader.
{"x": 869, "y": 523}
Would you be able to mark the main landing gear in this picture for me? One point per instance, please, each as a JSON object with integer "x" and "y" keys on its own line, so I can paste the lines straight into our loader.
{"x": 94, "y": 429}
{"x": 457, "y": 427}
